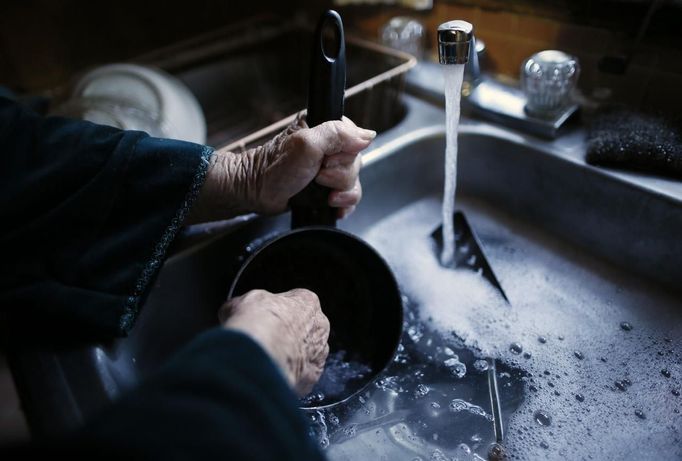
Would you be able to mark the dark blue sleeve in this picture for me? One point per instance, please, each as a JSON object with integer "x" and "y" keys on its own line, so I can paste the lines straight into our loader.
{"x": 220, "y": 398}
{"x": 88, "y": 212}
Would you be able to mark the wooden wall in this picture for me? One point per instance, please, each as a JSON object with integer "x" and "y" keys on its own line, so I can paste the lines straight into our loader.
{"x": 43, "y": 42}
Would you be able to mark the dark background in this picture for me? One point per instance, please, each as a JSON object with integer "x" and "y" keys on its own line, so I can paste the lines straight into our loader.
{"x": 43, "y": 42}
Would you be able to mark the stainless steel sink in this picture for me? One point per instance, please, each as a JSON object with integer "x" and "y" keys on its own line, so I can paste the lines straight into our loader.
{"x": 532, "y": 203}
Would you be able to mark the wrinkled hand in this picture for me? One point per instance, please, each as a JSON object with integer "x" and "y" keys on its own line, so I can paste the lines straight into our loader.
{"x": 289, "y": 326}
{"x": 263, "y": 179}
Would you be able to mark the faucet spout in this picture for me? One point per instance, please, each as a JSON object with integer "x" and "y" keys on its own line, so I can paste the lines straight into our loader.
{"x": 455, "y": 42}
{"x": 457, "y": 45}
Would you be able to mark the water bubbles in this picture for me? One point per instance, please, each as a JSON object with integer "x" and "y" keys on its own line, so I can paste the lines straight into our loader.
{"x": 313, "y": 398}
{"x": 318, "y": 430}
{"x": 640, "y": 414}
{"x": 451, "y": 362}
{"x": 675, "y": 392}
{"x": 438, "y": 455}
{"x": 478, "y": 411}
{"x": 389, "y": 383}
{"x": 542, "y": 418}
{"x": 481, "y": 365}
{"x": 579, "y": 355}
{"x": 625, "y": 326}
{"x": 515, "y": 348}
{"x": 526, "y": 355}
{"x": 603, "y": 359}
{"x": 623, "y": 384}
{"x": 456, "y": 367}
{"x": 350, "y": 430}
{"x": 415, "y": 333}
{"x": 421, "y": 390}
{"x": 338, "y": 373}
{"x": 401, "y": 356}
{"x": 463, "y": 449}
{"x": 435, "y": 405}
{"x": 333, "y": 419}
{"x": 458, "y": 405}
{"x": 580, "y": 397}
{"x": 544, "y": 445}
{"x": 665, "y": 372}
{"x": 542, "y": 339}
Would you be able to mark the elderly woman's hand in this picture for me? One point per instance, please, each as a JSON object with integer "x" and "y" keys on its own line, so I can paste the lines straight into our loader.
{"x": 263, "y": 179}
{"x": 289, "y": 326}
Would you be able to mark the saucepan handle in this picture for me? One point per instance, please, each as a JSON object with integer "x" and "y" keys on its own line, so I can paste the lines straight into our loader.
{"x": 325, "y": 102}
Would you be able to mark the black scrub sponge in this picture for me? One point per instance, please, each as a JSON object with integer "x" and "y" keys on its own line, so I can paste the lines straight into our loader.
{"x": 626, "y": 139}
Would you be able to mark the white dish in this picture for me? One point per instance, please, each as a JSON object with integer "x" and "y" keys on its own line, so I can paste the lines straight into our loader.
{"x": 131, "y": 96}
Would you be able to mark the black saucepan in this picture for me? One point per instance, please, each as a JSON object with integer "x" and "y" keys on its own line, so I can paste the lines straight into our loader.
{"x": 357, "y": 290}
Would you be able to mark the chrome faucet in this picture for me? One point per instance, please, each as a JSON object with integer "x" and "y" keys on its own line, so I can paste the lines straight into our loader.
{"x": 457, "y": 45}
{"x": 454, "y": 42}
{"x": 486, "y": 96}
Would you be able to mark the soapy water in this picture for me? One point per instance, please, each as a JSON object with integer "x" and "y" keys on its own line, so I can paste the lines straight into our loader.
{"x": 587, "y": 367}
{"x": 432, "y": 398}
{"x": 340, "y": 374}
{"x": 603, "y": 373}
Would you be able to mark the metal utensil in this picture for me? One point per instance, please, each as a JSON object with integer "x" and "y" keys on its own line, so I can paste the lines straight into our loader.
{"x": 468, "y": 250}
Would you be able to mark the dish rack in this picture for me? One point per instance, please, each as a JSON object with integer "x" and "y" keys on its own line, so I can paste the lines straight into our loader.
{"x": 251, "y": 80}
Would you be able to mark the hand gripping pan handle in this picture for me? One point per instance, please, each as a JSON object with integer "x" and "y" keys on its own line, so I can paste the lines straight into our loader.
{"x": 325, "y": 102}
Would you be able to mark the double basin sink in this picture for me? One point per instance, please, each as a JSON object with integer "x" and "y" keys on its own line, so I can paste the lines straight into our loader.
{"x": 523, "y": 195}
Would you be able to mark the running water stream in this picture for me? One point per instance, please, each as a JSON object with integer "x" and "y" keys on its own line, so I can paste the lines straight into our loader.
{"x": 454, "y": 75}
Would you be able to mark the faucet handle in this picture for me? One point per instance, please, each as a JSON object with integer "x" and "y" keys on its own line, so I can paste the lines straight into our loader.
{"x": 406, "y": 34}
{"x": 548, "y": 79}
